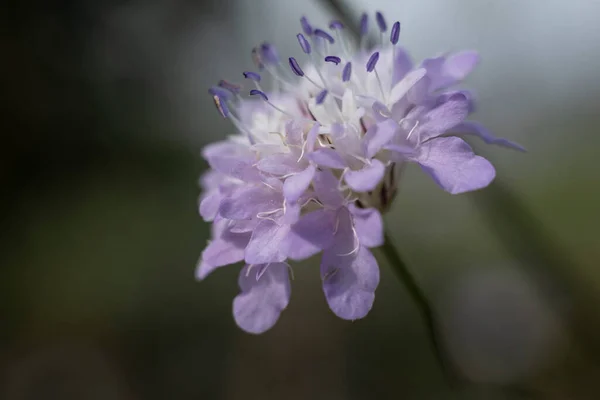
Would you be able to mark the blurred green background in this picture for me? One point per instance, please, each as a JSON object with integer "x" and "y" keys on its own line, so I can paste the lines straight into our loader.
{"x": 105, "y": 112}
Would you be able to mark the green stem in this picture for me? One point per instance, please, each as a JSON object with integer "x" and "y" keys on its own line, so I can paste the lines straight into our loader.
{"x": 418, "y": 296}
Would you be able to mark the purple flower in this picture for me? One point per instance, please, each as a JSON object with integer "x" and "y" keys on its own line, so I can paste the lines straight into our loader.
{"x": 314, "y": 165}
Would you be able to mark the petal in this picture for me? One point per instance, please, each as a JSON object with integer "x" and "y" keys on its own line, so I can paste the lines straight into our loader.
{"x": 402, "y": 87}
{"x": 234, "y": 166}
{"x": 444, "y": 117}
{"x": 294, "y": 132}
{"x": 278, "y": 164}
{"x": 327, "y": 189}
{"x": 221, "y": 252}
{"x": 477, "y": 129}
{"x": 246, "y": 202}
{"x": 311, "y": 234}
{"x": 265, "y": 294}
{"x": 402, "y": 65}
{"x": 459, "y": 65}
{"x": 452, "y": 164}
{"x": 366, "y": 179}
{"x": 378, "y": 136}
{"x": 295, "y": 185}
{"x": 209, "y": 205}
{"x": 349, "y": 283}
{"x": 268, "y": 243}
{"x": 327, "y": 158}
{"x": 369, "y": 226}
{"x": 311, "y": 137}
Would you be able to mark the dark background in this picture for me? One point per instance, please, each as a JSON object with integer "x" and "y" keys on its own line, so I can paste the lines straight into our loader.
{"x": 105, "y": 111}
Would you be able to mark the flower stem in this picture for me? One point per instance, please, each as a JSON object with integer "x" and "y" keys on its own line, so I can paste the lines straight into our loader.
{"x": 418, "y": 296}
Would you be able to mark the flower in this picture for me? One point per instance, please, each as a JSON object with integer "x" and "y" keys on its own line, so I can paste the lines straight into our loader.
{"x": 316, "y": 160}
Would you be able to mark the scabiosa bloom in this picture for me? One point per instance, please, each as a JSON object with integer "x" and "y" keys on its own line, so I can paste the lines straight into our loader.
{"x": 317, "y": 159}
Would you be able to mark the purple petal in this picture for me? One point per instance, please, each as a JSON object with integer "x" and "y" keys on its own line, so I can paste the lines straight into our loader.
{"x": 268, "y": 243}
{"x": 459, "y": 65}
{"x": 327, "y": 189}
{"x": 294, "y": 132}
{"x": 311, "y": 137}
{"x": 378, "y": 136}
{"x": 452, "y": 164}
{"x": 477, "y": 129}
{"x": 265, "y": 294}
{"x": 328, "y": 158}
{"x": 246, "y": 202}
{"x": 401, "y": 88}
{"x": 221, "y": 252}
{"x": 444, "y": 117}
{"x": 402, "y": 65}
{"x": 369, "y": 226}
{"x": 366, "y": 179}
{"x": 209, "y": 205}
{"x": 295, "y": 185}
{"x": 311, "y": 234}
{"x": 349, "y": 283}
{"x": 278, "y": 164}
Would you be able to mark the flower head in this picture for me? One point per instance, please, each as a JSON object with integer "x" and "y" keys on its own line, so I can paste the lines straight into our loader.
{"x": 317, "y": 159}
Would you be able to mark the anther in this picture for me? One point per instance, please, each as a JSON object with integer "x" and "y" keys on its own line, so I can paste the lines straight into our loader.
{"x": 333, "y": 59}
{"x": 372, "y": 61}
{"x": 304, "y": 43}
{"x": 324, "y": 35}
{"x": 295, "y": 67}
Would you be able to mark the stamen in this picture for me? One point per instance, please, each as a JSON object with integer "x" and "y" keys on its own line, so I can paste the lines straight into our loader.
{"x": 412, "y": 130}
{"x": 347, "y": 72}
{"x": 268, "y": 52}
{"x": 232, "y": 87}
{"x": 395, "y": 35}
{"x": 295, "y": 67}
{"x": 256, "y": 92}
{"x": 333, "y": 25}
{"x": 304, "y": 43}
{"x": 221, "y": 106}
{"x": 372, "y": 61}
{"x": 262, "y": 271}
{"x": 321, "y": 96}
{"x": 253, "y": 76}
{"x": 219, "y": 92}
{"x": 257, "y": 60}
{"x": 333, "y": 59}
{"x": 364, "y": 24}
{"x": 306, "y": 27}
{"x": 330, "y": 274}
{"x": 381, "y": 21}
{"x": 321, "y": 33}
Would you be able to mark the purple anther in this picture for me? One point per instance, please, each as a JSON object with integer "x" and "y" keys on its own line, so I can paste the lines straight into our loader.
{"x": 321, "y": 33}
{"x": 321, "y": 96}
{"x": 333, "y": 59}
{"x": 306, "y": 26}
{"x": 364, "y": 24}
{"x": 335, "y": 24}
{"x": 295, "y": 67}
{"x": 256, "y": 92}
{"x": 395, "y": 35}
{"x": 372, "y": 61}
{"x": 252, "y": 76}
{"x": 221, "y": 106}
{"x": 381, "y": 21}
{"x": 232, "y": 87}
{"x": 257, "y": 59}
{"x": 303, "y": 43}
{"x": 347, "y": 72}
{"x": 268, "y": 53}
{"x": 219, "y": 92}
